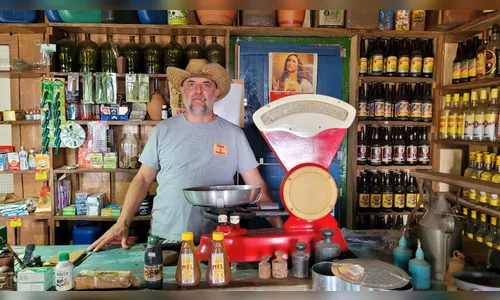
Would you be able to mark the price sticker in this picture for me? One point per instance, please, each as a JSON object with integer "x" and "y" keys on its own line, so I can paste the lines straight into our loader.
{"x": 41, "y": 175}
{"x": 15, "y": 222}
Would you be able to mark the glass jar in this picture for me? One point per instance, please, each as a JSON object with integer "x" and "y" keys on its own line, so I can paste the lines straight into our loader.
{"x": 153, "y": 57}
{"x": 174, "y": 54}
{"x": 109, "y": 52}
{"x": 130, "y": 149}
{"x": 193, "y": 50}
{"x": 88, "y": 55}
{"x": 133, "y": 54}
{"x": 66, "y": 54}
{"x": 215, "y": 53}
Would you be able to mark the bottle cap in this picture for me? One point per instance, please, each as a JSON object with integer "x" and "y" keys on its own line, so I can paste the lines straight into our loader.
{"x": 498, "y": 160}
{"x": 456, "y": 97}
{"x": 420, "y": 253}
{"x": 402, "y": 242}
{"x": 493, "y": 221}
{"x": 218, "y": 236}
{"x": 187, "y": 236}
{"x": 483, "y": 95}
{"x": 483, "y": 217}
{"x": 487, "y": 159}
{"x": 153, "y": 239}
{"x": 472, "y": 156}
{"x": 474, "y": 95}
{"x": 479, "y": 157}
{"x": 448, "y": 97}
{"x": 222, "y": 218}
{"x": 63, "y": 256}
{"x": 494, "y": 93}
{"x": 466, "y": 97}
{"x": 465, "y": 210}
{"x": 163, "y": 106}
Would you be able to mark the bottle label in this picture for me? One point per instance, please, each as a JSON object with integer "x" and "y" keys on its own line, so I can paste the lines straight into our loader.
{"x": 363, "y": 65}
{"x": 424, "y": 153}
{"x": 64, "y": 278}
{"x": 411, "y": 200}
{"x": 392, "y": 64}
{"x": 470, "y": 236}
{"x": 187, "y": 268}
{"x": 483, "y": 197}
{"x": 388, "y": 109}
{"x": 490, "y": 244}
{"x": 456, "y": 70}
{"x": 490, "y": 123}
{"x": 427, "y": 110}
{"x": 375, "y": 155}
{"x": 399, "y": 200}
{"x": 460, "y": 125}
{"x": 472, "y": 194}
{"x": 399, "y": 153}
{"x": 217, "y": 268}
{"x": 464, "y": 69}
{"x": 472, "y": 67}
{"x": 469, "y": 127}
{"x": 364, "y": 200}
{"x": 371, "y": 109}
{"x": 153, "y": 272}
{"x": 362, "y": 109}
{"x": 416, "y": 64}
{"x": 428, "y": 67}
{"x": 370, "y": 65}
{"x": 402, "y": 109}
{"x": 385, "y": 65}
{"x": 378, "y": 63}
{"x": 375, "y": 200}
{"x": 479, "y": 126}
{"x": 387, "y": 154}
{"x": 480, "y": 239}
{"x": 493, "y": 200}
{"x": 443, "y": 125}
{"x": 387, "y": 200}
{"x": 411, "y": 153}
{"x": 416, "y": 110}
{"x": 491, "y": 62}
{"x": 404, "y": 65}
{"x": 379, "y": 108}
{"x": 480, "y": 64}
{"x": 361, "y": 154}
{"x": 497, "y": 246}
{"x": 452, "y": 125}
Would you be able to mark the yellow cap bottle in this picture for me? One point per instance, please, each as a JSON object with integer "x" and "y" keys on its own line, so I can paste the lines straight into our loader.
{"x": 474, "y": 96}
{"x": 494, "y": 93}
{"x": 218, "y": 236}
{"x": 448, "y": 98}
{"x": 187, "y": 236}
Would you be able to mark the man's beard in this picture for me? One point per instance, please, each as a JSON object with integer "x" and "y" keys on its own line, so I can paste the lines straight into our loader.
{"x": 199, "y": 111}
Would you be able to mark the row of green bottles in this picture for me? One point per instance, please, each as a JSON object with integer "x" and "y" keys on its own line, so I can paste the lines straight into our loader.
{"x": 481, "y": 230}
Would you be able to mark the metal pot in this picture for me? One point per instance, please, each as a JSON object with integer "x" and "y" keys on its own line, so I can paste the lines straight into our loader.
{"x": 477, "y": 281}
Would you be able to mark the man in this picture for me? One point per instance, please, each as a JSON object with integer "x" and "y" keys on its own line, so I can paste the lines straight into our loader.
{"x": 196, "y": 148}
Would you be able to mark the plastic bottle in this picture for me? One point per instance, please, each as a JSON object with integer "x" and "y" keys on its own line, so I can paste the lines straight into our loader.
{"x": 32, "y": 160}
{"x": 402, "y": 255}
{"x": 153, "y": 264}
{"x": 64, "y": 273}
{"x": 218, "y": 269}
{"x": 23, "y": 160}
{"x": 420, "y": 270}
{"x": 164, "y": 112}
{"x": 188, "y": 268}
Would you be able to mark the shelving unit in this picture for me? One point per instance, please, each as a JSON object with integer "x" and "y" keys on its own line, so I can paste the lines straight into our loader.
{"x": 452, "y": 198}
{"x": 477, "y": 84}
{"x": 83, "y": 171}
{"x": 392, "y": 168}
{"x": 98, "y": 218}
{"x": 395, "y": 79}
{"x": 469, "y": 143}
{"x": 396, "y": 123}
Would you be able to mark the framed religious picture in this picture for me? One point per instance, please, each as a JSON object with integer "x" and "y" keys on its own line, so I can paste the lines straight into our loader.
{"x": 292, "y": 73}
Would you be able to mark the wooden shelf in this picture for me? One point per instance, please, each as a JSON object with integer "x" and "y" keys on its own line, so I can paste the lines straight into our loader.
{"x": 371, "y": 33}
{"x": 395, "y": 123}
{"x": 98, "y": 218}
{"x": 403, "y": 213}
{"x": 395, "y": 79}
{"x": 392, "y": 168}
{"x": 293, "y": 32}
{"x": 477, "y": 84}
{"x": 478, "y": 25}
{"x": 81, "y": 171}
{"x": 34, "y": 216}
{"x": 469, "y": 143}
{"x": 22, "y": 122}
{"x": 14, "y": 28}
{"x": 457, "y": 180}
{"x": 22, "y": 74}
{"x": 120, "y": 123}
{"x": 18, "y": 172}
{"x": 65, "y": 74}
{"x": 451, "y": 197}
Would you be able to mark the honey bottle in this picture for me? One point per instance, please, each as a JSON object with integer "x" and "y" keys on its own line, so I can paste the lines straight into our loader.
{"x": 188, "y": 271}
{"x": 218, "y": 269}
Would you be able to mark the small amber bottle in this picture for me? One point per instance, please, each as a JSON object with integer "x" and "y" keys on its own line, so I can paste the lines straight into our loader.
{"x": 188, "y": 271}
{"x": 218, "y": 269}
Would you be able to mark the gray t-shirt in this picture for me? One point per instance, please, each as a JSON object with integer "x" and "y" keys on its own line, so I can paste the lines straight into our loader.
{"x": 190, "y": 155}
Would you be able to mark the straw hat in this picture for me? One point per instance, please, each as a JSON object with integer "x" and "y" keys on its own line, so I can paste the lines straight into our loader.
{"x": 201, "y": 68}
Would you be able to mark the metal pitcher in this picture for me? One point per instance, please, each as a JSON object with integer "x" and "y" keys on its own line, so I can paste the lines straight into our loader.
{"x": 440, "y": 233}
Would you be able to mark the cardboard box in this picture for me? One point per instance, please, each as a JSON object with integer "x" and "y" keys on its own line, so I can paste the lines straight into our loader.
{"x": 441, "y": 20}
{"x": 36, "y": 275}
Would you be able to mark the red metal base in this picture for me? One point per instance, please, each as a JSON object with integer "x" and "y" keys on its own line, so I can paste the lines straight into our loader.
{"x": 250, "y": 245}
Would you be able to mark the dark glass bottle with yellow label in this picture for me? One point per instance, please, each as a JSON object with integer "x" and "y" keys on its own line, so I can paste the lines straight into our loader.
{"x": 363, "y": 112}
{"x": 363, "y": 192}
{"x": 377, "y": 58}
{"x": 402, "y": 106}
{"x": 457, "y": 64}
{"x": 471, "y": 225}
{"x": 363, "y": 59}
{"x": 464, "y": 64}
{"x": 416, "y": 59}
{"x": 391, "y": 59}
{"x": 379, "y": 103}
{"x": 491, "y": 237}
{"x": 483, "y": 231}
{"x": 428, "y": 61}
{"x": 404, "y": 58}
{"x": 375, "y": 193}
{"x": 411, "y": 194}
{"x": 387, "y": 194}
{"x": 399, "y": 193}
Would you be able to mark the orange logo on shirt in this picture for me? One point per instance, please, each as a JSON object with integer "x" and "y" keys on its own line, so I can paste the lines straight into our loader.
{"x": 220, "y": 149}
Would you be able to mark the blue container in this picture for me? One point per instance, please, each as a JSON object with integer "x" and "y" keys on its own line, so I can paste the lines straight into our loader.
{"x": 18, "y": 16}
{"x": 85, "y": 233}
{"x": 53, "y": 16}
{"x": 153, "y": 16}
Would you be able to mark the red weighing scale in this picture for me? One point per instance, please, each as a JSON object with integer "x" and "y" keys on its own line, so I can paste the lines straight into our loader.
{"x": 304, "y": 132}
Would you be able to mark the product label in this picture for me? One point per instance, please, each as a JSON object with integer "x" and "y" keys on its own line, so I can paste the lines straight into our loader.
{"x": 469, "y": 127}
{"x": 388, "y": 109}
{"x": 375, "y": 155}
{"x": 480, "y": 64}
{"x": 416, "y": 110}
{"x": 387, "y": 154}
{"x": 379, "y": 108}
{"x": 64, "y": 278}
{"x": 490, "y": 123}
{"x": 378, "y": 63}
{"x": 443, "y": 125}
{"x": 153, "y": 272}
{"x": 464, "y": 69}
{"x": 399, "y": 200}
{"x": 411, "y": 153}
{"x": 457, "y": 70}
{"x": 402, "y": 109}
{"x": 363, "y": 65}
{"x": 491, "y": 62}
{"x": 416, "y": 64}
{"x": 387, "y": 200}
{"x": 371, "y": 109}
{"x": 361, "y": 154}
{"x": 493, "y": 200}
{"x": 375, "y": 200}
{"x": 217, "y": 268}
{"x": 362, "y": 109}
{"x": 411, "y": 200}
{"x": 497, "y": 246}
{"x": 452, "y": 125}
{"x": 473, "y": 214}
{"x": 424, "y": 153}
{"x": 490, "y": 244}
{"x": 480, "y": 239}
{"x": 399, "y": 154}
{"x": 479, "y": 126}
{"x": 472, "y": 194}
{"x": 470, "y": 236}
{"x": 404, "y": 65}
{"x": 364, "y": 200}
{"x": 472, "y": 67}
{"x": 392, "y": 64}
{"x": 427, "y": 110}
{"x": 460, "y": 125}
{"x": 370, "y": 65}
{"x": 187, "y": 268}
{"x": 428, "y": 67}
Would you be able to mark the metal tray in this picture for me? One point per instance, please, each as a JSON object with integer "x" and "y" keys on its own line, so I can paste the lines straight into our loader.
{"x": 222, "y": 196}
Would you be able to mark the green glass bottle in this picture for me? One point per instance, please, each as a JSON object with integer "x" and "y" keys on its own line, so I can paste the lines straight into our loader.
{"x": 88, "y": 55}
{"x": 215, "y": 53}
{"x": 109, "y": 52}
{"x": 193, "y": 50}
{"x": 174, "y": 54}
{"x": 65, "y": 55}
{"x": 132, "y": 52}
{"x": 153, "y": 57}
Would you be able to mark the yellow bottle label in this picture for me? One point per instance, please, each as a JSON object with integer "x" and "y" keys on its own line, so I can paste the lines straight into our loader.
{"x": 452, "y": 125}
{"x": 493, "y": 221}
{"x": 480, "y": 64}
{"x": 404, "y": 64}
{"x": 375, "y": 200}
{"x": 460, "y": 125}
{"x": 466, "y": 193}
{"x": 493, "y": 201}
{"x": 457, "y": 70}
{"x": 483, "y": 197}
{"x": 392, "y": 64}
{"x": 443, "y": 124}
{"x": 470, "y": 236}
{"x": 364, "y": 200}
{"x": 464, "y": 70}
{"x": 490, "y": 244}
{"x": 363, "y": 65}
{"x": 428, "y": 65}
{"x": 187, "y": 268}
{"x": 473, "y": 214}
{"x": 479, "y": 125}
{"x": 416, "y": 64}
{"x": 217, "y": 268}
{"x": 497, "y": 247}
{"x": 411, "y": 200}
{"x": 480, "y": 239}
{"x": 490, "y": 124}
{"x": 472, "y": 67}
{"x": 399, "y": 200}
{"x": 483, "y": 218}
{"x": 469, "y": 126}
{"x": 387, "y": 200}
{"x": 427, "y": 110}
{"x": 378, "y": 63}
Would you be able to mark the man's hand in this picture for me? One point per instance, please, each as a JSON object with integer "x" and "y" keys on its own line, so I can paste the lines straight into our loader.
{"x": 117, "y": 231}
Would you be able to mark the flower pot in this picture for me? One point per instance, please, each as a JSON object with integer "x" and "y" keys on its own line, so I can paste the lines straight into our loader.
{"x": 216, "y": 17}
{"x": 291, "y": 18}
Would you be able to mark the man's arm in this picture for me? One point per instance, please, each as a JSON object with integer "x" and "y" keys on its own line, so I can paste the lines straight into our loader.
{"x": 253, "y": 177}
{"x": 135, "y": 195}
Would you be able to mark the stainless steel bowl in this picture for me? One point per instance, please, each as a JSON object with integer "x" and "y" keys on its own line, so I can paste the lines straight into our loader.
{"x": 222, "y": 196}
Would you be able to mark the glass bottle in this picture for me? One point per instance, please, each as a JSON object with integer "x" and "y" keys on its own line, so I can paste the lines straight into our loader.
{"x": 461, "y": 117}
{"x": 153, "y": 264}
{"x": 411, "y": 194}
{"x": 326, "y": 249}
{"x": 363, "y": 59}
{"x": 300, "y": 261}
{"x": 388, "y": 104}
{"x": 491, "y": 238}
{"x": 464, "y": 64}
{"x": 472, "y": 59}
{"x": 377, "y": 58}
{"x": 375, "y": 148}
{"x": 386, "y": 147}
{"x": 132, "y": 52}
{"x": 452, "y": 117}
{"x": 193, "y": 50}
{"x": 469, "y": 117}
{"x": 174, "y": 54}
{"x": 399, "y": 147}
{"x": 457, "y": 64}
{"x": 411, "y": 147}
{"x": 427, "y": 103}
{"x": 483, "y": 231}
{"x": 486, "y": 176}
{"x": 218, "y": 268}
{"x": 375, "y": 193}
{"x": 402, "y": 107}
{"x": 188, "y": 271}
{"x": 468, "y": 172}
{"x": 416, "y": 59}
{"x": 416, "y": 103}
{"x": 491, "y": 117}
{"x": 391, "y": 67}
{"x": 370, "y": 56}
{"x": 370, "y": 100}
{"x": 481, "y": 57}
{"x": 399, "y": 193}
{"x": 109, "y": 52}
{"x": 424, "y": 148}
{"x": 491, "y": 53}
{"x": 130, "y": 149}
{"x": 479, "y": 117}
{"x": 476, "y": 174}
{"x": 471, "y": 225}
{"x": 362, "y": 104}
{"x": 65, "y": 54}
{"x": 363, "y": 192}
{"x": 215, "y": 53}
{"x": 379, "y": 103}
{"x": 153, "y": 57}
{"x": 495, "y": 178}
{"x": 404, "y": 58}
{"x": 387, "y": 194}
{"x": 361, "y": 154}
{"x": 88, "y": 55}
{"x": 443, "y": 121}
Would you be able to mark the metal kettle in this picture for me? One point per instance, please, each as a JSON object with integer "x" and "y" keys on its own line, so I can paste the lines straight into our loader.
{"x": 440, "y": 232}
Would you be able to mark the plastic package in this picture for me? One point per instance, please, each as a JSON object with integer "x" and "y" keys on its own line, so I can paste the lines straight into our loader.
{"x": 88, "y": 90}
{"x": 377, "y": 240}
{"x": 97, "y": 132}
{"x": 144, "y": 95}
{"x": 99, "y": 280}
{"x": 131, "y": 86}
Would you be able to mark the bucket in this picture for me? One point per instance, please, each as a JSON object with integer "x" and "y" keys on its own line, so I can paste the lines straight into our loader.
{"x": 85, "y": 233}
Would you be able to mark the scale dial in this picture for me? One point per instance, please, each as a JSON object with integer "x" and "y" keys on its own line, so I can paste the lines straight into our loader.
{"x": 72, "y": 135}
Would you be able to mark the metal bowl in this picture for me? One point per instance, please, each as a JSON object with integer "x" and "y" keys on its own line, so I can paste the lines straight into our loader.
{"x": 222, "y": 196}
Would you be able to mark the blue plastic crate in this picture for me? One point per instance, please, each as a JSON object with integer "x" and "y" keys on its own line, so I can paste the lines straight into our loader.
{"x": 53, "y": 16}
{"x": 153, "y": 16}
{"x": 18, "y": 16}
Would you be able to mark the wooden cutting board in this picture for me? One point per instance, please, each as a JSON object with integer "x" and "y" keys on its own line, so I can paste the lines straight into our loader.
{"x": 76, "y": 257}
